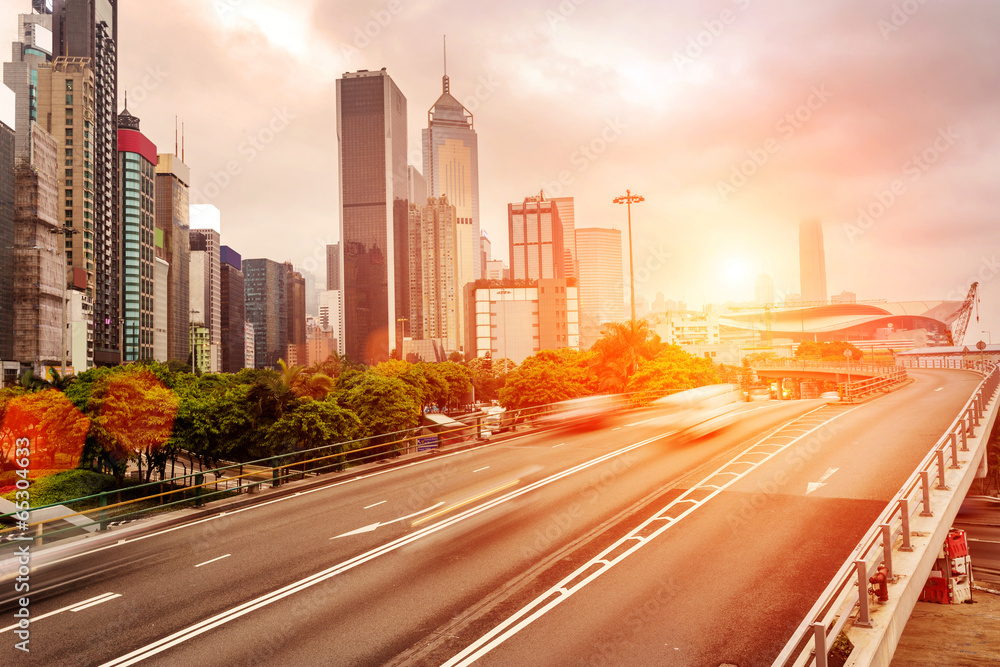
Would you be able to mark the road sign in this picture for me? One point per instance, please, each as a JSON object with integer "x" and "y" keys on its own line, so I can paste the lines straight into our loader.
{"x": 980, "y": 346}
{"x": 427, "y": 442}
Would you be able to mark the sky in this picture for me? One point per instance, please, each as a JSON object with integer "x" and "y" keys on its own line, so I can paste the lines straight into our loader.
{"x": 734, "y": 119}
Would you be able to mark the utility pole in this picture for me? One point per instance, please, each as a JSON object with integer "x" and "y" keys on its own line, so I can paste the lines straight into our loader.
{"x": 628, "y": 200}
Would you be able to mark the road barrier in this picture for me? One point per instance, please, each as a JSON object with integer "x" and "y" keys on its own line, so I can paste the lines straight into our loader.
{"x": 846, "y": 597}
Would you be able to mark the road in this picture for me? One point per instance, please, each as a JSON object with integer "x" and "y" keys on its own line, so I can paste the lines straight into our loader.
{"x": 458, "y": 557}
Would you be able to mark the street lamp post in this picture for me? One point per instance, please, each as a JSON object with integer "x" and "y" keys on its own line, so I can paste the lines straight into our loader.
{"x": 504, "y": 304}
{"x": 628, "y": 200}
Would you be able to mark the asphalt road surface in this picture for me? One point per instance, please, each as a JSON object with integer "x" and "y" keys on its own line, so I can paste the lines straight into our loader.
{"x": 615, "y": 546}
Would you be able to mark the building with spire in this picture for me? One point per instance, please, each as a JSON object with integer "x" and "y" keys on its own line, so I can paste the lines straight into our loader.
{"x": 371, "y": 152}
{"x": 451, "y": 168}
{"x": 136, "y": 191}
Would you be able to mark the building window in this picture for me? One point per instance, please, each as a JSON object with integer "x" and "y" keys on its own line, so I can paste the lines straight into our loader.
{"x": 69, "y": 100}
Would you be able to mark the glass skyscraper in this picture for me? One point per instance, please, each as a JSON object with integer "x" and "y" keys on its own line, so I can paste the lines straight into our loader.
{"x": 371, "y": 134}
{"x": 812, "y": 261}
{"x": 137, "y": 190}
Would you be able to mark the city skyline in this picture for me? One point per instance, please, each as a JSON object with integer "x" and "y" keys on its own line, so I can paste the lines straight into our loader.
{"x": 731, "y": 180}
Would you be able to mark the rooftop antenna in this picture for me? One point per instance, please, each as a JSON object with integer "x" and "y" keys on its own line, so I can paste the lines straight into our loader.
{"x": 444, "y": 80}
{"x": 182, "y": 143}
{"x": 126, "y": 100}
{"x": 175, "y": 135}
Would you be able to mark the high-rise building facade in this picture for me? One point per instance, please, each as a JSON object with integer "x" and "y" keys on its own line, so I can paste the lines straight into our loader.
{"x": 7, "y": 141}
{"x": 137, "y": 171}
{"x": 371, "y": 133}
{"x": 333, "y": 266}
{"x": 232, "y": 311}
{"x": 535, "y": 233}
{"x": 812, "y": 261}
{"x": 295, "y": 314}
{"x": 205, "y": 291}
{"x": 88, "y": 29}
{"x": 451, "y": 167}
{"x": 173, "y": 244}
{"x": 434, "y": 288}
{"x": 39, "y": 284}
{"x": 34, "y": 47}
{"x": 161, "y": 302}
{"x": 416, "y": 188}
{"x": 567, "y": 218}
{"x": 266, "y": 298}
{"x": 602, "y": 288}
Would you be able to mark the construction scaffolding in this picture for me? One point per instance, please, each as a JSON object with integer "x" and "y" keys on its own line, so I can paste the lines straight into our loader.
{"x": 39, "y": 264}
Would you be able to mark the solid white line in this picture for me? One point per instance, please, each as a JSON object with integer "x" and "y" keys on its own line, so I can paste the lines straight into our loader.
{"x": 213, "y": 560}
{"x": 481, "y": 469}
{"x": 559, "y": 445}
{"x": 376, "y": 504}
{"x": 96, "y": 602}
{"x": 262, "y": 601}
{"x": 524, "y": 617}
{"x": 75, "y": 605}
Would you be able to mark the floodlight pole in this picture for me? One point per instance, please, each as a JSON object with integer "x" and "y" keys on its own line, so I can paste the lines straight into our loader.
{"x": 628, "y": 200}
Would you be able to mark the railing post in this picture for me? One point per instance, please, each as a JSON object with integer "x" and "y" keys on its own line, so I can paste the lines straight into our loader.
{"x": 925, "y": 483}
{"x": 864, "y": 618}
{"x": 965, "y": 437}
{"x": 197, "y": 489}
{"x": 275, "y": 478}
{"x": 904, "y": 512}
{"x": 953, "y": 439}
{"x": 887, "y": 551}
{"x": 104, "y": 512}
{"x": 819, "y": 632}
{"x": 940, "y": 465}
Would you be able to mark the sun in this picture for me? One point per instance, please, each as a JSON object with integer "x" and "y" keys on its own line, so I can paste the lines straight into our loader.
{"x": 735, "y": 271}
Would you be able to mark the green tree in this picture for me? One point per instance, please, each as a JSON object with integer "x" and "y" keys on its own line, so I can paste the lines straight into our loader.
{"x": 670, "y": 371}
{"x": 546, "y": 377}
{"x": 314, "y": 424}
{"x": 458, "y": 379}
{"x": 384, "y": 405}
{"x": 620, "y": 351}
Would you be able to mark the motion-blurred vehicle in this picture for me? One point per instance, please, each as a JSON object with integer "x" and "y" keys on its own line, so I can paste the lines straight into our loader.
{"x": 701, "y": 411}
{"x": 980, "y": 509}
{"x": 830, "y": 396}
{"x": 585, "y": 412}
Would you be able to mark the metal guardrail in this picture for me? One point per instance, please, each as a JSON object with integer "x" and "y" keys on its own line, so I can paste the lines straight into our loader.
{"x": 849, "y": 588}
{"x": 806, "y": 364}
{"x": 859, "y": 388}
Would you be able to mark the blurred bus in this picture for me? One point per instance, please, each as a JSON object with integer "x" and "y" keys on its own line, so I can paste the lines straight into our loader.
{"x": 701, "y": 411}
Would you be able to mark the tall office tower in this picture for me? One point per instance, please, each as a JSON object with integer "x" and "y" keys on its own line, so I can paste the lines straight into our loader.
{"x": 39, "y": 285}
{"x": 333, "y": 266}
{"x": 763, "y": 289}
{"x": 34, "y": 47}
{"x": 451, "y": 167}
{"x": 161, "y": 300}
{"x": 567, "y": 217}
{"x": 249, "y": 341}
{"x": 416, "y": 186}
{"x": 137, "y": 170}
{"x": 535, "y": 234}
{"x": 88, "y": 29}
{"x": 329, "y": 318}
{"x": 65, "y": 108}
{"x": 233, "y": 310}
{"x": 371, "y": 133}
{"x": 812, "y": 261}
{"x": 7, "y": 140}
{"x": 312, "y": 291}
{"x": 485, "y": 252}
{"x": 173, "y": 244}
{"x": 204, "y": 281}
{"x": 434, "y": 288}
{"x": 266, "y": 297}
{"x": 602, "y": 289}
{"x": 295, "y": 315}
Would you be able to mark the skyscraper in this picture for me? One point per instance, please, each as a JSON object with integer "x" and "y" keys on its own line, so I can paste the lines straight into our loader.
{"x": 204, "y": 280}
{"x": 34, "y": 47}
{"x": 567, "y": 217}
{"x": 266, "y": 298}
{"x": 371, "y": 133}
{"x": 602, "y": 289}
{"x": 137, "y": 170}
{"x": 295, "y": 316}
{"x": 812, "y": 261}
{"x": 89, "y": 29}
{"x": 233, "y": 310}
{"x": 7, "y": 140}
{"x": 451, "y": 167}
{"x": 434, "y": 289}
{"x": 535, "y": 234}
{"x": 173, "y": 245}
{"x": 333, "y": 266}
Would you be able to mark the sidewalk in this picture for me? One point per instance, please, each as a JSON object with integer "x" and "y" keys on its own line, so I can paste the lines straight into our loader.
{"x": 956, "y": 635}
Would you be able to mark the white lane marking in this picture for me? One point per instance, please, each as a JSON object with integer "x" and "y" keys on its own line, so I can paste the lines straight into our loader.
{"x": 375, "y": 504}
{"x": 81, "y": 607}
{"x": 369, "y": 528}
{"x": 559, "y": 445}
{"x": 213, "y": 560}
{"x": 939, "y": 389}
{"x": 976, "y": 539}
{"x": 812, "y": 486}
{"x": 481, "y": 469}
{"x": 616, "y": 428}
{"x": 75, "y": 605}
{"x": 262, "y": 601}
{"x": 563, "y": 590}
